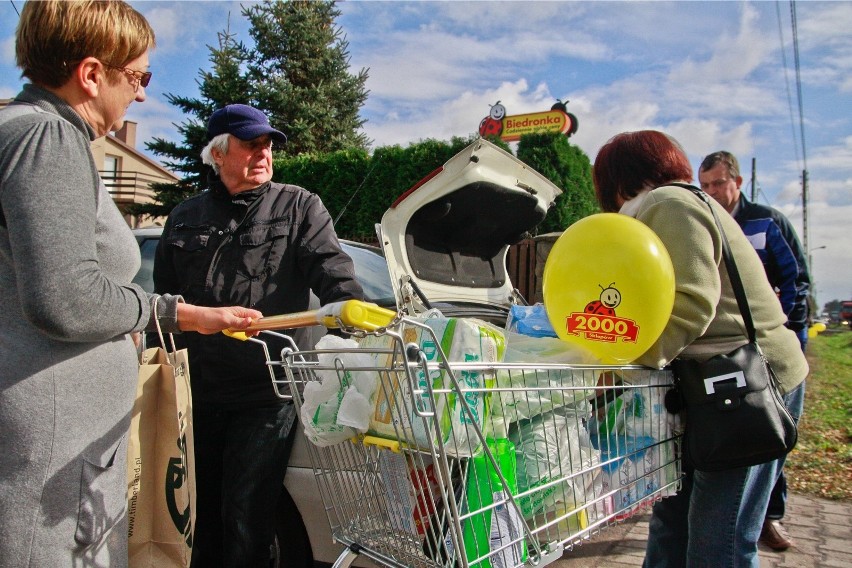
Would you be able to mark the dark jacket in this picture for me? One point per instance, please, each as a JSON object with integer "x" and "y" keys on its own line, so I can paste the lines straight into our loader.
{"x": 783, "y": 257}
{"x": 266, "y": 248}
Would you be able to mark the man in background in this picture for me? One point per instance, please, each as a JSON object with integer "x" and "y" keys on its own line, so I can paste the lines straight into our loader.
{"x": 775, "y": 240}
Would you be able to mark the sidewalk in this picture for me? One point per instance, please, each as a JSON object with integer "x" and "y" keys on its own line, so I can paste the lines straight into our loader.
{"x": 821, "y": 529}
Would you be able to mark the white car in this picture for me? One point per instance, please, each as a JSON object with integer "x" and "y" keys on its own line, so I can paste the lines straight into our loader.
{"x": 444, "y": 245}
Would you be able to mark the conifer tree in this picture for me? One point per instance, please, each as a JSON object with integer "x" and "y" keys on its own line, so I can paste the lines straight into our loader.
{"x": 300, "y": 70}
{"x": 296, "y": 71}
{"x": 224, "y": 84}
{"x": 567, "y": 166}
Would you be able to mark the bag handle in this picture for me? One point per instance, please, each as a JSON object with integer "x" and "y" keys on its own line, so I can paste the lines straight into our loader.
{"x": 730, "y": 264}
{"x": 173, "y": 358}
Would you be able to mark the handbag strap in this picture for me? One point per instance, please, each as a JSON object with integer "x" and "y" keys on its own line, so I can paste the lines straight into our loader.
{"x": 730, "y": 264}
{"x": 173, "y": 358}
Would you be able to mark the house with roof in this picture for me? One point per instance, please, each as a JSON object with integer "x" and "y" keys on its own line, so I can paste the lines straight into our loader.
{"x": 128, "y": 173}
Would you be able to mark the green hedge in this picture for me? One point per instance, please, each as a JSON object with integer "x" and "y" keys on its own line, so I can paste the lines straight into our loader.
{"x": 359, "y": 188}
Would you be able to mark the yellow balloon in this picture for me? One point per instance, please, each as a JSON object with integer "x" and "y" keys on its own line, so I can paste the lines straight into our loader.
{"x": 609, "y": 287}
{"x": 819, "y": 326}
{"x": 812, "y": 332}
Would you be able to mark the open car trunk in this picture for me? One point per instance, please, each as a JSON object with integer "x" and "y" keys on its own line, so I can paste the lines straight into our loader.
{"x": 446, "y": 238}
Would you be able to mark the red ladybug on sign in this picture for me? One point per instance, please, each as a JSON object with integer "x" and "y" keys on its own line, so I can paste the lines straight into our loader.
{"x": 492, "y": 125}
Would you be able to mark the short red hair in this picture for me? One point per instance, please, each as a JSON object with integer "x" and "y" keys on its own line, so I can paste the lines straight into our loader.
{"x": 631, "y": 161}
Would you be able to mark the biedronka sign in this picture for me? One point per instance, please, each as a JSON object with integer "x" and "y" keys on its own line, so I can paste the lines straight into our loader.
{"x": 511, "y": 128}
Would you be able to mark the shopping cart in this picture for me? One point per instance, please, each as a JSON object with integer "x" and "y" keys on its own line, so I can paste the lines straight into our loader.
{"x": 477, "y": 463}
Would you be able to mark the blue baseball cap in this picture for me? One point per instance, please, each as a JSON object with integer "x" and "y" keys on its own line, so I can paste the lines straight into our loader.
{"x": 242, "y": 121}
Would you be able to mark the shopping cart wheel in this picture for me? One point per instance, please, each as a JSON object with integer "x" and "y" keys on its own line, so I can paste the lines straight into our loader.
{"x": 347, "y": 557}
{"x": 412, "y": 352}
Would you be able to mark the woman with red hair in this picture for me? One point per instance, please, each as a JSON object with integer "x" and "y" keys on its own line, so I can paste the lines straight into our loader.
{"x": 716, "y": 517}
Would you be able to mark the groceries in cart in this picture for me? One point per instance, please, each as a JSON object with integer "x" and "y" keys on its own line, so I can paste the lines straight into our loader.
{"x": 495, "y": 533}
{"x": 524, "y": 392}
{"x": 549, "y": 447}
{"x": 460, "y": 402}
{"x": 337, "y": 406}
{"x": 451, "y": 442}
{"x": 530, "y": 320}
{"x": 629, "y": 428}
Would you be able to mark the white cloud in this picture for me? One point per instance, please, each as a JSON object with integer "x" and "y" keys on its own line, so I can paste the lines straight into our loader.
{"x": 734, "y": 57}
{"x": 458, "y": 116}
{"x": 182, "y": 27}
{"x": 824, "y": 24}
{"x": 837, "y": 158}
{"x": 830, "y": 267}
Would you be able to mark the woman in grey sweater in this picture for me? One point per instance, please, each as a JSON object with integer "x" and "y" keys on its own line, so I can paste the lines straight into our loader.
{"x": 68, "y": 310}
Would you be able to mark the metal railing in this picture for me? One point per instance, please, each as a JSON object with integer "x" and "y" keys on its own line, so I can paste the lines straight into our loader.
{"x": 130, "y": 187}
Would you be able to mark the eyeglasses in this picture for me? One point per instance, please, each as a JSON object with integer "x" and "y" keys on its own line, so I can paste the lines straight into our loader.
{"x": 141, "y": 77}
{"x": 261, "y": 143}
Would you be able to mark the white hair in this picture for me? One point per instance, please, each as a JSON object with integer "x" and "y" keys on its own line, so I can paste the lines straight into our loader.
{"x": 220, "y": 143}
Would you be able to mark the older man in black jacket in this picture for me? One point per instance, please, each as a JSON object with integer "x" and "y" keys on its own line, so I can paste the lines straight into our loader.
{"x": 245, "y": 241}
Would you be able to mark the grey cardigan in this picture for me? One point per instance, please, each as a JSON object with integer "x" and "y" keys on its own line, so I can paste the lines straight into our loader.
{"x": 68, "y": 367}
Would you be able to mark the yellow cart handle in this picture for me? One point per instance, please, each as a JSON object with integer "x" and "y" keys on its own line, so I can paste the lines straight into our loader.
{"x": 354, "y": 313}
{"x": 392, "y": 445}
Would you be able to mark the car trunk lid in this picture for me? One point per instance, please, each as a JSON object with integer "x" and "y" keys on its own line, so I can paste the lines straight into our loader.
{"x": 449, "y": 234}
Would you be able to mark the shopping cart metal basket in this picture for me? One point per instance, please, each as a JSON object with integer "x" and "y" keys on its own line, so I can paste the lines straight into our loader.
{"x": 478, "y": 463}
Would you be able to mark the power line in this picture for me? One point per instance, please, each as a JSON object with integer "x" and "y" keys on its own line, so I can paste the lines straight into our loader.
{"x": 798, "y": 82}
{"x": 805, "y": 224}
{"x": 787, "y": 84}
{"x": 354, "y": 193}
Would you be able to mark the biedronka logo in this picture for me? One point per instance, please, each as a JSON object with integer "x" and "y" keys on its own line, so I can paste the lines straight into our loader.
{"x": 598, "y": 322}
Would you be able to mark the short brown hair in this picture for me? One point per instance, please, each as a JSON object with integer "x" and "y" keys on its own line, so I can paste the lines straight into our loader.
{"x": 721, "y": 157}
{"x": 631, "y": 161}
{"x": 53, "y": 36}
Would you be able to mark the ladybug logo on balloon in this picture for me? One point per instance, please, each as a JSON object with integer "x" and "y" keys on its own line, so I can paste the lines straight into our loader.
{"x": 609, "y": 299}
{"x": 598, "y": 322}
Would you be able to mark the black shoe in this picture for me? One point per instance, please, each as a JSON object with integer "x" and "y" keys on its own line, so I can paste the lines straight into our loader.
{"x": 775, "y": 536}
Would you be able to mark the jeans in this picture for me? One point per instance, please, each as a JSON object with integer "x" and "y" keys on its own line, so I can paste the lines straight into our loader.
{"x": 795, "y": 403}
{"x": 240, "y": 461}
{"x": 714, "y": 521}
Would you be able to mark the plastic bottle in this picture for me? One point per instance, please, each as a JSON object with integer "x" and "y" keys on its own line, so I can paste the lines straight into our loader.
{"x": 492, "y": 530}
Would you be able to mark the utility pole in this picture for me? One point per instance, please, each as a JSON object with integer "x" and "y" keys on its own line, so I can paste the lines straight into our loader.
{"x": 754, "y": 180}
{"x": 811, "y": 272}
{"x": 805, "y": 209}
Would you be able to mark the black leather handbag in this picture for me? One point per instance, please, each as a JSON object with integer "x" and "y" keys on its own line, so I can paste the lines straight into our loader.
{"x": 735, "y": 416}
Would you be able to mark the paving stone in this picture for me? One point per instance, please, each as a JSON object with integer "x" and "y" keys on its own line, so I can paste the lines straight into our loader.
{"x": 838, "y": 507}
{"x": 838, "y": 545}
{"x": 822, "y": 531}
{"x": 843, "y": 561}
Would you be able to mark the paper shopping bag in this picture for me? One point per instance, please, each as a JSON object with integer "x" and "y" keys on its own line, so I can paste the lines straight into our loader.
{"x": 161, "y": 464}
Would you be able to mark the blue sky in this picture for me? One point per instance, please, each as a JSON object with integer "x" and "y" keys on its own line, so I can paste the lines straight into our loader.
{"x": 712, "y": 74}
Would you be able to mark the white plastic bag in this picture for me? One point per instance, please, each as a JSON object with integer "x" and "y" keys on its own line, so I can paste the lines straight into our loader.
{"x": 338, "y": 405}
{"x": 540, "y": 390}
{"x": 554, "y": 446}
